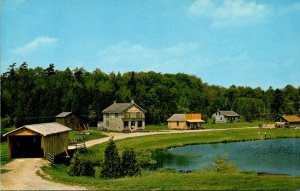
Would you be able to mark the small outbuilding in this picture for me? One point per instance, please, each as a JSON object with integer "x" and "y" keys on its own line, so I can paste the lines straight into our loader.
{"x": 289, "y": 121}
{"x": 37, "y": 140}
{"x": 68, "y": 119}
{"x": 185, "y": 121}
{"x": 126, "y": 117}
{"x": 225, "y": 117}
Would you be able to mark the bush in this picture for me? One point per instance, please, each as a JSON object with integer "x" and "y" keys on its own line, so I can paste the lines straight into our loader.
{"x": 81, "y": 167}
{"x": 112, "y": 162}
{"x": 221, "y": 165}
{"x": 130, "y": 166}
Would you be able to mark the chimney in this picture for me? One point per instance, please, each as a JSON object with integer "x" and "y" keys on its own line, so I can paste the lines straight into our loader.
{"x": 132, "y": 101}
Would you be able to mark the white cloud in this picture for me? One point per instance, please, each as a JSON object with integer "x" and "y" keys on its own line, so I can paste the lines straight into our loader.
{"x": 37, "y": 44}
{"x": 228, "y": 12}
{"x": 126, "y": 57}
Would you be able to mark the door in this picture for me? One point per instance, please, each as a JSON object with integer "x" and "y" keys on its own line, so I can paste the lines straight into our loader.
{"x": 26, "y": 146}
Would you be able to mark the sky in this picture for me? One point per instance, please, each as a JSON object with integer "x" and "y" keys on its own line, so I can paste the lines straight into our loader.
{"x": 252, "y": 43}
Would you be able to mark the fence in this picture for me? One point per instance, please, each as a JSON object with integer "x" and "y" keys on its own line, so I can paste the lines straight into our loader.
{"x": 50, "y": 158}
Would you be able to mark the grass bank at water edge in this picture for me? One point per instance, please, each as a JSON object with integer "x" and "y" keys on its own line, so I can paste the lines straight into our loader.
{"x": 171, "y": 180}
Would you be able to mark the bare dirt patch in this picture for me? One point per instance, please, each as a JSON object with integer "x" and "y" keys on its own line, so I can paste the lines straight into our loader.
{"x": 20, "y": 174}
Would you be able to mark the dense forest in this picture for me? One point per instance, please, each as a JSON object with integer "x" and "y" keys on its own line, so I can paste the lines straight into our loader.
{"x": 31, "y": 95}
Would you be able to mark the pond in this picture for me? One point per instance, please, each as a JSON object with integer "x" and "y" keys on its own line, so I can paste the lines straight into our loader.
{"x": 278, "y": 156}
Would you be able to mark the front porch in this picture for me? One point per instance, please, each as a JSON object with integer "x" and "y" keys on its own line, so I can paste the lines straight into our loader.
{"x": 194, "y": 124}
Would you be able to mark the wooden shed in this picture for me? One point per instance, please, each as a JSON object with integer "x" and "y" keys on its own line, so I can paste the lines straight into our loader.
{"x": 68, "y": 119}
{"x": 185, "y": 121}
{"x": 289, "y": 120}
{"x": 37, "y": 140}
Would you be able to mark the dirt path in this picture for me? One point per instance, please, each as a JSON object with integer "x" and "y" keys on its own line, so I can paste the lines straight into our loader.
{"x": 21, "y": 173}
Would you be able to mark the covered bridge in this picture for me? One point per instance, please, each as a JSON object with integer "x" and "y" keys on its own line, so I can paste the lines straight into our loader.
{"x": 37, "y": 140}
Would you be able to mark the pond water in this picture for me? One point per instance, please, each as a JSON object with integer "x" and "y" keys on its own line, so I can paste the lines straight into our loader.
{"x": 279, "y": 156}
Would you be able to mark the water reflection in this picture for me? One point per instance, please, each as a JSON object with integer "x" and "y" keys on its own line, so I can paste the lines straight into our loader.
{"x": 273, "y": 156}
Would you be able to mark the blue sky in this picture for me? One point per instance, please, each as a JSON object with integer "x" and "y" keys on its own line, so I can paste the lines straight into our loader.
{"x": 224, "y": 42}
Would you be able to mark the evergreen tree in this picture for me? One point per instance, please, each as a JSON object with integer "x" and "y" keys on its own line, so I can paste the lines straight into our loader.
{"x": 112, "y": 162}
{"x": 81, "y": 167}
{"x": 129, "y": 163}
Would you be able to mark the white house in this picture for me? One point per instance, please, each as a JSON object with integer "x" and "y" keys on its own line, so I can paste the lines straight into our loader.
{"x": 225, "y": 117}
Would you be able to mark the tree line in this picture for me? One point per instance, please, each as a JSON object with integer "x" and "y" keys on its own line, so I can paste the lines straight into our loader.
{"x": 32, "y": 95}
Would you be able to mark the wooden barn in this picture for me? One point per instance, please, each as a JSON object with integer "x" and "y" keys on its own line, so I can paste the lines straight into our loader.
{"x": 289, "y": 120}
{"x": 68, "y": 119}
{"x": 37, "y": 140}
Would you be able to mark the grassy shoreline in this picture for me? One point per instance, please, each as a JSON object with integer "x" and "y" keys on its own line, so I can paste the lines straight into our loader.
{"x": 172, "y": 180}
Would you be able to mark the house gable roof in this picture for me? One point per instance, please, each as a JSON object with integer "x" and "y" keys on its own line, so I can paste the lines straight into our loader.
{"x": 177, "y": 117}
{"x": 63, "y": 114}
{"x": 44, "y": 129}
{"x": 291, "y": 118}
{"x": 229, "y": 113}
{"x": 120, "y": 107}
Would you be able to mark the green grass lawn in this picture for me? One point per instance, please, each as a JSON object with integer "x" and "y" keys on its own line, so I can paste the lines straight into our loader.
{"x": 4, "y": 153}
{"x": 156, "y": 127}
{"x": 232, "y": 125}
{"x": 172, "y": 180}
{"x": 209, "y": 125}
{"x": 90, "y": 134}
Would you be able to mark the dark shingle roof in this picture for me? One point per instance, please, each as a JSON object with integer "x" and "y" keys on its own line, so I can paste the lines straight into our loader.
{"x": 177, "y": 117}
{"x": 120, "y": 107}
{"x": 64, "y": 114}
{"x": 229, "y": 113}
{"x": 44, "y": 128}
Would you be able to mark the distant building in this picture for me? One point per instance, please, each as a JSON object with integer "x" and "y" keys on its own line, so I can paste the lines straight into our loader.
{"x": 226, "y": 117}
{"x": 185, "y": 121}
{"x": 289, "y": 120}
{"x": 68, "y": 119}
{"x": 124, "y": 117}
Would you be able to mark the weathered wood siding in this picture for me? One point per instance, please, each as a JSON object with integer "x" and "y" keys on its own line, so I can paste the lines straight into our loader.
{"x": 24, "y": 132}
{"x": 175, "y": 125}
{"x": 55, "y": 144}
{"x": 71, "y": 121}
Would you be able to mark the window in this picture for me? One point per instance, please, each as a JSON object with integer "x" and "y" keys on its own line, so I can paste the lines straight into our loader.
{"x": 132, "y": 124}
{"x": 139, "y": 115}
{"x": 107, "y": 123}
{"x": 107, "y": 115}
{"x": 116, "y": 115}
{"x": 177, "y": 123}
{"x": 126, "y": 124}
{"x": 140, "y": 123}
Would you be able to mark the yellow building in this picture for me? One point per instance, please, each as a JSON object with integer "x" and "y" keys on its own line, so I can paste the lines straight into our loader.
{"x": 185, "y": 121}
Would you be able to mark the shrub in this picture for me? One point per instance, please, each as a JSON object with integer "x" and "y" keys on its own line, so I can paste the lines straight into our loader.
{"x": 130, "y": 166}
{"x": 112, "y": 162}
{"x": 221, "y": 165}
{"x": 81, "y": 167}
